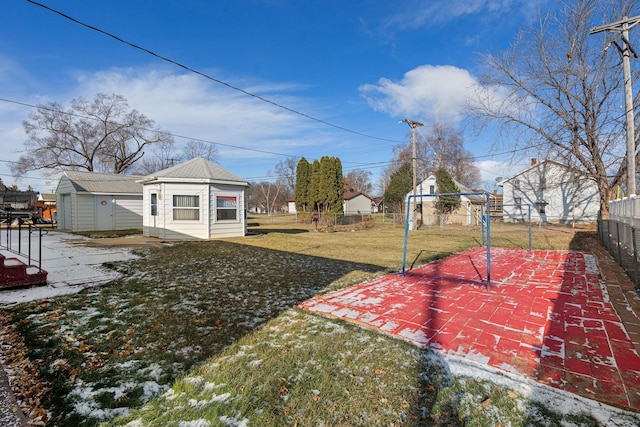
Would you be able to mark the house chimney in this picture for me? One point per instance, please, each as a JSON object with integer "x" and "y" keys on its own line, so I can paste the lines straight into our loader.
{"x": 534, "y": 161}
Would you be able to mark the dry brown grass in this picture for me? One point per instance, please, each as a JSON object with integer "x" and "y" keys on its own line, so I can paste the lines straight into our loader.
{"x": 382, "y": 245}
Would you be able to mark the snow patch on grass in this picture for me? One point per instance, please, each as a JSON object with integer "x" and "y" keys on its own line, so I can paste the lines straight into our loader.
{"x": 234, "y": 422}
{"x": 195, "y": 423}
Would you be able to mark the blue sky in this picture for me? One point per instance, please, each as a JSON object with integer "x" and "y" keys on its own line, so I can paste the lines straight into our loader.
{"x": 359, "y": 65}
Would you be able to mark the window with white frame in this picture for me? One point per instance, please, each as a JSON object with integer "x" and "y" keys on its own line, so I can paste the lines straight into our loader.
{"x": 518, "y": 202}
{"x": 186, "y": 208}
{"x": 226, "y": 208}
{"x": 154, "y": 204}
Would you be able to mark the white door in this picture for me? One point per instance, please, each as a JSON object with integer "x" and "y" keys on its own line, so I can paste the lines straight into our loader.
{"x": 104, "y": 213}
{"x": 153, "y": 218}
{"x": 66, "y": 212}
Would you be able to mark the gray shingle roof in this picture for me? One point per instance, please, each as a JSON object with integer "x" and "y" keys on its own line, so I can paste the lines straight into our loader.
{"x": 92, "y": 182}
{"x": 197, "y": 168}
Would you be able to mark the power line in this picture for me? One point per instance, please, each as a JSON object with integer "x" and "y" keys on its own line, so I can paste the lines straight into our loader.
{"x": 53, "y": 110}
{"x": 365, "y": 166}
{"x": 208, "y": 77}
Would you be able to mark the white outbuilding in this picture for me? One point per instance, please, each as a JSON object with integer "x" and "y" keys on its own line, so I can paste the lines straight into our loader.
{"x": 88, "y": 201}
{"x": 194, "y": 200}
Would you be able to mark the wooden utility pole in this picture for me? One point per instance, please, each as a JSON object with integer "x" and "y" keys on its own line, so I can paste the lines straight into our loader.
{"x": 626, "y": 50}
{"x": 414, "y": 161}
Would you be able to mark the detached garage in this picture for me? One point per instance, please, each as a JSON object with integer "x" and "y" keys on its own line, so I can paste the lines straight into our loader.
{"x": 194, "y": 200}
{"x": 88, "y": 201}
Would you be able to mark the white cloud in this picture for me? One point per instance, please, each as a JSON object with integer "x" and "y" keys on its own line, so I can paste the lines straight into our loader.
{"x": 438, "y": 12}
{"x": 431, "y": 93}
{"x": 189, "y": 105}
{"x": 186, "y": 105}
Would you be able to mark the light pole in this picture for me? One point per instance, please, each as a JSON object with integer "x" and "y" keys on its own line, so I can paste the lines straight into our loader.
{"x": 414, "y": 161}
{"x": 623, "y": 28}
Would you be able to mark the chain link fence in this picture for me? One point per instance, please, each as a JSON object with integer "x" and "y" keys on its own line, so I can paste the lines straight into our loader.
{"x": 335, "y": 219}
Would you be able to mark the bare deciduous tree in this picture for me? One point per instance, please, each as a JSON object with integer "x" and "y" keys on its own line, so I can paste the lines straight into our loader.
{"x": 161, "y": 156}
{"x": 439, "y": 147}
{"x": 99, "y": 135}
{"x": 558, "y": 90}
{"x": 359, "y": 180}
{"x": 286, "y": 171}
{"x": 198, "y": 148}
{"x": 164, "y": 155}
{"x": 267, "y": 196}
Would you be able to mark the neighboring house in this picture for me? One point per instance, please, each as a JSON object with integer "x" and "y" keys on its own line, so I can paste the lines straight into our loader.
{"x": 379, "y": 204}
{"x": 469, "y": 212}
{"x": 194, "y": 200}
{"x": 354, "y": 203}
{"x": 88, "y": 201}
{"x": 47, "y": 206}
{"x": 555, "y": 193}
{"x": 291, "y": 206}
{"x": 357, "y": 203}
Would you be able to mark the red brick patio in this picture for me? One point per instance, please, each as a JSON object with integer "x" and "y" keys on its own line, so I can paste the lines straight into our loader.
{"x": 567, "y": 319}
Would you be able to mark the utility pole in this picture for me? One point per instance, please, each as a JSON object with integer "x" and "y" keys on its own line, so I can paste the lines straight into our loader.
{"x": 414, "y": 161}
{"x": 626, "y": 50}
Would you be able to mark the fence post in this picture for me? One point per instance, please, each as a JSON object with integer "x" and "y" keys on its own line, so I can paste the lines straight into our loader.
{"x": 19, "y": 237}
{"x": 40, "y": 248}
{"x": 619, "y": 243}
{"x": 635, "y": 256}
{"x": 29, "y": 246}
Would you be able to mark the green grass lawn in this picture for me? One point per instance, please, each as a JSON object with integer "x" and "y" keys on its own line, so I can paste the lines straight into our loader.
{"x": 208, "y": 333}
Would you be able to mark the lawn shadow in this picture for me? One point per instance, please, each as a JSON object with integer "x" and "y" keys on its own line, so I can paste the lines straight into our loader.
{"x": 175, "y": 307}
{"x": 435, "y": 378}
{"x": 576, "y": 353}
{"x": 259, "y": 230}
{"x": 434, "y": 256}
{"x": 243, "y": 286}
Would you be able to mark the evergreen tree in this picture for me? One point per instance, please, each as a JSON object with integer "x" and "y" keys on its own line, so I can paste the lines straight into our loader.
{"x": 325, "y": 184}
{"x": 319, "y": 186}
{"x": 446, "y": 185}
{"x": 313, "y": 196}
{"x": 338, "y": 186}
{"x": 400, "y": 184}
{"x": 303, "y": 177}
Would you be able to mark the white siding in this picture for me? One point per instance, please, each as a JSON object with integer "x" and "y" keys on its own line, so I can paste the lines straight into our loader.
{"x": 127, "y": 212}
{"x": 177, "y": 229}
{"x": 568, "y": 196}
{"x": 358, "y": 204}
{"x": 151, "y": 224}
{"x": 206, "y": 227}
{"x": 64, "y": 203}
{"x": 77, "y": 211}
{"x": 83, "y": 211}
{"x": 168, "y": 228}
{"x": 227, "y": 228}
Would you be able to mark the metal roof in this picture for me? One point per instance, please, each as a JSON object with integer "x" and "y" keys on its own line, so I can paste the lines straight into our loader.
{"x": 91, "y": 182}
{"x": 197, "y": 168}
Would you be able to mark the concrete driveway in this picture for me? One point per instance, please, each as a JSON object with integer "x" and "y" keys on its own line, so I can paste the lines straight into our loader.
{"x": 73, "y": 262}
